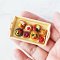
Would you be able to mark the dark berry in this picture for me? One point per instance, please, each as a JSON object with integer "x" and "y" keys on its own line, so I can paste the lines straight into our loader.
{"x": 26, "y": 34}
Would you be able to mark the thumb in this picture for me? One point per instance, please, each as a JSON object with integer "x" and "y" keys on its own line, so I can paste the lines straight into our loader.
{"x": 57, "y": 21}
{"x": 55, "y": 52}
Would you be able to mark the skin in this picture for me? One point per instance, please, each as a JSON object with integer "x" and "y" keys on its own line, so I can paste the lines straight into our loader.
{"x": 50, "y": 51}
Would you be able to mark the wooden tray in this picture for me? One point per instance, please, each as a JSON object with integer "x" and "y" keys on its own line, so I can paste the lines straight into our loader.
{"x": 44, "y": 25}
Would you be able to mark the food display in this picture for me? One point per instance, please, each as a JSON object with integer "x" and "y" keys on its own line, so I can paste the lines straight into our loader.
{"x": 31, "y": 31}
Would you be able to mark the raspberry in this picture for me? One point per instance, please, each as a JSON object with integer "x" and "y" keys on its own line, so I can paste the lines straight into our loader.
{"x": 26, "y": 34}
{"x": 41, "y": 39}
{"x": 28, "y": 28}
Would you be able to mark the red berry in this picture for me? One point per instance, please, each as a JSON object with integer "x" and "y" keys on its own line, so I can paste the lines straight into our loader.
{"x": 34, "y": 27}
{"x": 20, "y": 31}
{"x": 28, "y": 28}
{"x": 26, "y": 34}
{"x": 41, "y": 39}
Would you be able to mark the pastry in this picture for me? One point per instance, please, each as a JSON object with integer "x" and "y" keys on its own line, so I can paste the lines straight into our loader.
{"x": 21, "y": 24}
{"x": 36, "y": 27}
{"x": 19, "y": 32}
{"x": 43, "y": 32}
{"x": 34, "y": 35}
{"x": 41, "y": 39}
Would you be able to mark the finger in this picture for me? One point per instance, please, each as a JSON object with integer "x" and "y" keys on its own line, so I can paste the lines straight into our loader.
{"x": 33, "y": 50}
{"x": 29, "y": 47}
{"x": 39, "y": 54}
{"x": 19, "y": 55}
{"x": 53, "y": 29}
{"x": 57, "y": 21}
{"x": 54, "y": 54}
{"x": 54, "y": 33}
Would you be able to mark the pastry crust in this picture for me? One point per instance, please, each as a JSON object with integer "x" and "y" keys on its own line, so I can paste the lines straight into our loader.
{"x": 45, "y": 26}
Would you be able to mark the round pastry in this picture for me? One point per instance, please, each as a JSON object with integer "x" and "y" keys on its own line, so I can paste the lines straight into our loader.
{"x": 22, "y": 24}
{"x": 34, "y": 35}
{"x": 43, "y": 32}
{"x": 19, "y": 32}
{"x": 26, "y": 34}
{"x": 41, "y": 39}
{"x": 28, "y": 28}
{"x": 36, "y": 27}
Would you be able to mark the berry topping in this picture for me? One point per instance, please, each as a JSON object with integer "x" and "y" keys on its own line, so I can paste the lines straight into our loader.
{"x": 26, "y": 34}
{"x": 28, "y": 28}
{"x": 41, "y": 39}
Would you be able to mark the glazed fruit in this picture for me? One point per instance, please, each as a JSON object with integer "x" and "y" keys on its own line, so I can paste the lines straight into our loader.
{"x": 19, "y": 32}
{"x": 22, "y": 24}
{"x": 28, "y": 28}
{"x": 36, "y": 27}
{"x": 41, "y": 39}
{"x": 34, "y": 35}
{"x": 26, "y": 34}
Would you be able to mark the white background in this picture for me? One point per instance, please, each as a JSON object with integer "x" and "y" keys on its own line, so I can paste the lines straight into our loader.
{"x": 10, "y": 8}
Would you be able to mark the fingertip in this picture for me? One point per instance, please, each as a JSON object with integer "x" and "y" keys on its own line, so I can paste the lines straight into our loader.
{"x": 54, "y": 53}
{"x": 29, "y": 15}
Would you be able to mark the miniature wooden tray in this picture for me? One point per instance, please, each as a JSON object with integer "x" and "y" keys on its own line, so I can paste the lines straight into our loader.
{"x": 44, "y": 25}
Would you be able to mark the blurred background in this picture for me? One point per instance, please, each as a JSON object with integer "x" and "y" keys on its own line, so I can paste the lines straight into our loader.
{"x": 11, "y": 8}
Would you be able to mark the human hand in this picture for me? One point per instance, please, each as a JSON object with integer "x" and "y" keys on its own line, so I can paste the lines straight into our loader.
{"x": 50, "y": 51}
